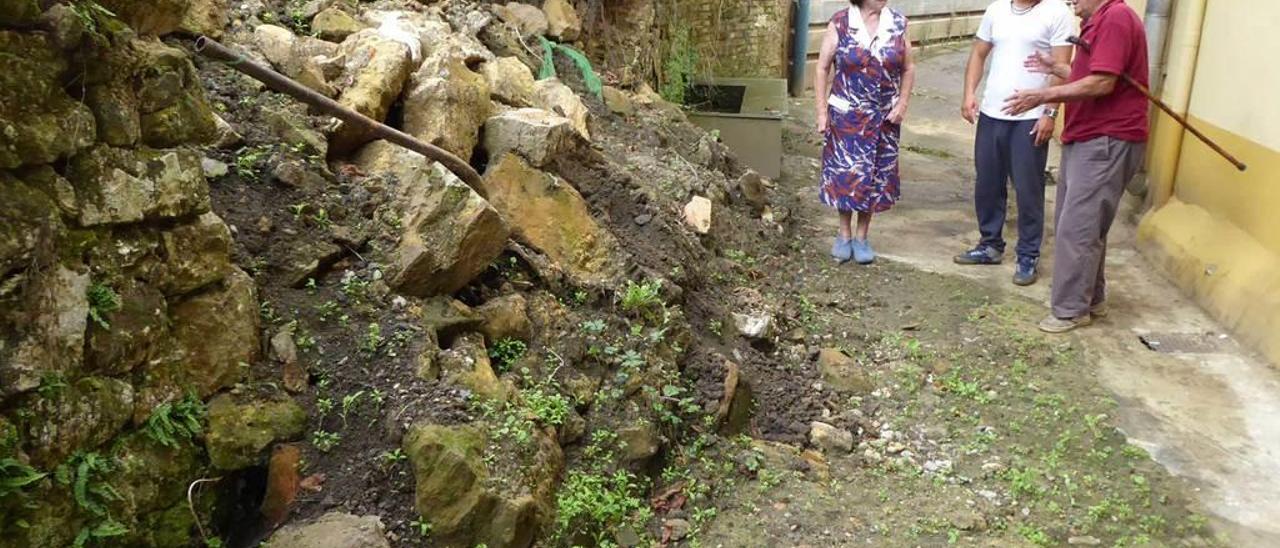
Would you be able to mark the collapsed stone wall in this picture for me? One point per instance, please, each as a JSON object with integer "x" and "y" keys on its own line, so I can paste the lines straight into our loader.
{"x": 120, "y": 309}
{"x": 132, "y": 355}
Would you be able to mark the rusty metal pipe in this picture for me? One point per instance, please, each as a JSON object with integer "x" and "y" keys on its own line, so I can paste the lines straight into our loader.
{"x": 210, "y": 48}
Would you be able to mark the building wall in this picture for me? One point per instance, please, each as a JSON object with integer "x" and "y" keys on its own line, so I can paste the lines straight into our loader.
{"x": 1216, "y": 230}
{"x": 739, "y": 38}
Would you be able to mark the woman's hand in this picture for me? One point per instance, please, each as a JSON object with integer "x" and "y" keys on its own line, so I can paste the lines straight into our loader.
{"x": 1043, "y": 131}
{"x": 823, "y": 123}
{"x": 898, "y": 113}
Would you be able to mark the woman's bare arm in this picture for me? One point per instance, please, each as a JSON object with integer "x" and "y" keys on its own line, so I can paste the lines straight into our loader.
{"x": 822, "y": 76}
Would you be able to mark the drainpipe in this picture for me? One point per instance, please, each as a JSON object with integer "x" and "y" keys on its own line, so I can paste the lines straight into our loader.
{"x": 1182, "y": 56}
{"x": 1157, "y": 23}
{"x": 799, "y": 46}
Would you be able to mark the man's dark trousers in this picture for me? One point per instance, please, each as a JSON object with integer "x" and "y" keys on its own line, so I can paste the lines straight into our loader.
{"x": 1003, "y": 150}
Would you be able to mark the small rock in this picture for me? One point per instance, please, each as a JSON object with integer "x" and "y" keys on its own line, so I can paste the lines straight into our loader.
{"x": 554, "y": 96}
{"x": 697, "y": 213}
{"x": 213, "y": 168}
{"x": 938, "y": 466}
{"x": 627, "y": 537}
{"x": 643, "y": 219}
{"x": 335, "y": 25}
{"x": 968, "y": 520}
{"x": 510, "y": 81}
{"x": 638, "y": 443}
{"x": 733, "y": 414}
{"x": 829, "y": 438}
{"x": 562, "y": 20}
{"x": 1084, "y": 541}
{"x": 992, "y": 468}
{"x": 265, "y": 225}
{"x": 297, "y": 174}
{"x": 753, "y": 326}
{"x": 225, "y": 136}
{"x": 618, "y": 101}
{"x": 895, "y": 448}
{"x": 843, "y": 373}
{"x": 529, "y": 20}
{"x": 283, "y": 348}
{"x": 534, "y": 134}
{"x": 871, "y": 456}
{"x": 505, "y": 318}
{"x": 679, "y": 528}
{"x": 333, "y": 530}
{"x": 754, "y": 189}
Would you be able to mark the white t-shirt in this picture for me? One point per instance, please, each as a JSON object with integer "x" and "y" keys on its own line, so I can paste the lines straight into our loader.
{"x": 1014, "y": 37}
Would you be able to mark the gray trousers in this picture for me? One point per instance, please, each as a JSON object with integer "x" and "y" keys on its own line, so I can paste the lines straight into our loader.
{"x": 1094, "y": 176}
{"x": 1005, "y": 150}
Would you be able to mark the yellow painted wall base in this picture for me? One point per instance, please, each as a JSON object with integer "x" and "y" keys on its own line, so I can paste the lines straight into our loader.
{"x": 1229, "y": 273}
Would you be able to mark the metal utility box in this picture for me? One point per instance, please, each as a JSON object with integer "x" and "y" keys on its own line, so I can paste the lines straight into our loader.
{"x": 748, "y": 114}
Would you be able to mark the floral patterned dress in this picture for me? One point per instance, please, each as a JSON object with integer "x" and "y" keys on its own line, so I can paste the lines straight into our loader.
{"x": 860, "y": 159}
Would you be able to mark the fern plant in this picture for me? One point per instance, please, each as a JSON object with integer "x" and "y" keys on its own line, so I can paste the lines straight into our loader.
{"x": 102, "y": 301}
{"x": 175, "y": 421}
{"x": 16, "y": 475}
{"x": 86, "y": 474}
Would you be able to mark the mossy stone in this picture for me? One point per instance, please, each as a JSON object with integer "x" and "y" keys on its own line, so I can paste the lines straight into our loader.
{"x": 245, "y": 422}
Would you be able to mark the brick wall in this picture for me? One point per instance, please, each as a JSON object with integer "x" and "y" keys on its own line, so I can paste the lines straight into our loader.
{"x": 738, "y": 38}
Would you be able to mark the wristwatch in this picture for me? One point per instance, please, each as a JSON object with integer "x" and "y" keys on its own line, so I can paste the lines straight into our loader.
{"x": 1051, "y": 112}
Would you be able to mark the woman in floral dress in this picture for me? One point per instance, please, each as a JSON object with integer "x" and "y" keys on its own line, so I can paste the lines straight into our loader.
{"x": 861, "y": 104}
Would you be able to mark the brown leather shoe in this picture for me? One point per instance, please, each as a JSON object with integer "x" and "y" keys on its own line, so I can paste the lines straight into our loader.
{"x": 1058, "y": 325}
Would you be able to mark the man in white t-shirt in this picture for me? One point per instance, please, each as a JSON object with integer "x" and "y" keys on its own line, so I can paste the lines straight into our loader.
{"x": 1009, "y": 146}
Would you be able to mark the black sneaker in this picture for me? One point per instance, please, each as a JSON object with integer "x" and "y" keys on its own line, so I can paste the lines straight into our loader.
{"x": 980, "y": 255}
{"x": 1026, "y": 273}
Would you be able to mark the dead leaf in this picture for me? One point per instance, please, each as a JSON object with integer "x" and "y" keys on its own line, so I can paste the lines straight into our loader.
{"x": 313, "y": 483}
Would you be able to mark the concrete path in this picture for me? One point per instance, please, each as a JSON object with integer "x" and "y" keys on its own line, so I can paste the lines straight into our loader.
{"x": 1203, "y": 406}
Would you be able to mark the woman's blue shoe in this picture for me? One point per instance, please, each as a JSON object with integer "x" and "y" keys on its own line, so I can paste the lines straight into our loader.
{"x": 862, "y": 252}
{"x": 842, "y": 250}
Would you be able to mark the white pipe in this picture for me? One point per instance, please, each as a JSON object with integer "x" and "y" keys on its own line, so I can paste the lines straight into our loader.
{"x": 1157, "y": 24}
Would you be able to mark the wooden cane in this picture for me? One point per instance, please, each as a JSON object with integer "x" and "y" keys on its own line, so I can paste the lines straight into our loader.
{"x": 1177, "y": 117}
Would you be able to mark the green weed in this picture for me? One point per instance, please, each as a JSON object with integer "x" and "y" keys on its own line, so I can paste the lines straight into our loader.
{"x": 641, "y": 298}
{"x": 390, "y": 458}
{"x": 422, "y": 526}
{"x": 248, "y": 162}
{"x": 372, "y": 339}
{"x": 679, "y": 65}
{"x": 596, "y": 505}
{"x": 349, "y": 404}
{"x": 1035, "y": 536}
{"x": 506, "y": 353}
{"x": 325, "y": 441}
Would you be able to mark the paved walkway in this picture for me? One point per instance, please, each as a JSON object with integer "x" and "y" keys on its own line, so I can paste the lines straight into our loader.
{"x": 1205, "y": 407}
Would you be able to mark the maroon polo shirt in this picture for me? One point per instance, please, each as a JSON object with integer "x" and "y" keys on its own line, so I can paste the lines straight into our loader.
{"x": 1119, "y": 45}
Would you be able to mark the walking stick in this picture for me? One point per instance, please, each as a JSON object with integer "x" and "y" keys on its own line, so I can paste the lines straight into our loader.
{"x": 1177, "y": 117}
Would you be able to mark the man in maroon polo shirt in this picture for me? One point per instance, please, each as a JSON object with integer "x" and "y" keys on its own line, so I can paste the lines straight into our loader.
{"x": 1104, "y": 144}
